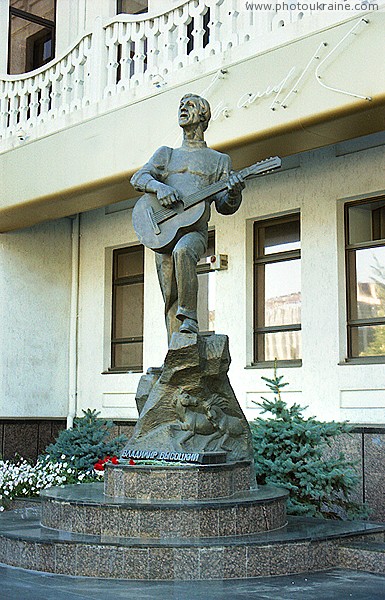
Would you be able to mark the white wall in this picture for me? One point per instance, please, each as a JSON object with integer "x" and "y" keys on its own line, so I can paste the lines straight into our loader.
{"x": 316, "y": 188}
{"x": 35, "y": 274}
{"x": 113, "y": 394}
{"x": 35, "y": 279}
{"x": 157, "y": 6}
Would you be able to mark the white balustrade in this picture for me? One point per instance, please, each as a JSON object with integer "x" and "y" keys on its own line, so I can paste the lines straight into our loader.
{"x": 125, "y": 57}
{"x": 34, "y": 98}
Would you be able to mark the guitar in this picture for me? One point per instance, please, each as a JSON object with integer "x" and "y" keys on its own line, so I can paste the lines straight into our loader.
{"x": 158, "y": 227}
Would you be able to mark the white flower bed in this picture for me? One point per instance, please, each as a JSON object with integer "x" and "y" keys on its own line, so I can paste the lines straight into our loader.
{"x": 22, "y": 479}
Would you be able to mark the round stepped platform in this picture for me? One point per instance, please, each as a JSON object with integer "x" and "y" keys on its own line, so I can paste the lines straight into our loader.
{"x": 171, "y": 522}
{"x": 303, "y": 545}
{"x": 86, "y": 509}
{"x": 177, "y": 501}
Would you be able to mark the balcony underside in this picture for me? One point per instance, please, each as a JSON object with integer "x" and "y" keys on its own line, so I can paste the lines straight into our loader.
{"x": 311, "y": 92}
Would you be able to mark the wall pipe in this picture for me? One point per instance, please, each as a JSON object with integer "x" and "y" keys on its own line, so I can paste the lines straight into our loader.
{"x": 73, "y": 333}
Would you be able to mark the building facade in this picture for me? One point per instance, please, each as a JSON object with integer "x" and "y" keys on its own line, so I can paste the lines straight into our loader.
{"x": 89, "y": 89}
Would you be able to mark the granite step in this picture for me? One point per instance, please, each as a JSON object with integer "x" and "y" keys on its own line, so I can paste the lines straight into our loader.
{"x": 178, "y": 482}
{"x": 364, "y": 555}
{"x": 86, "y": 509}
{"x": 303, "y": 545}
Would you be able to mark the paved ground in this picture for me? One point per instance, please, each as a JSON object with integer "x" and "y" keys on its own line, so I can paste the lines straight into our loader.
{"x": 17, "y": 584}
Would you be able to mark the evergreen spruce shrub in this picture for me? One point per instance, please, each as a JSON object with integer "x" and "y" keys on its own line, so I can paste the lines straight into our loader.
{"x": 289, "y": 451}
{"x": 86, "y": 442}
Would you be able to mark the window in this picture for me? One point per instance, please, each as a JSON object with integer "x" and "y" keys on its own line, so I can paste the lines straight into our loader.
{"x": 127, "y": 309}
{"x": 31, "y": 41}
{"x": 365, "y": 273}
{"x": 206, "y": 291}
{"x": 131, "y": 7}
{"x": 277, "y": 289}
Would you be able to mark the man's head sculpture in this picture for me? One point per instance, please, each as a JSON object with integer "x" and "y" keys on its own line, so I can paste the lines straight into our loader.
{"x": 203, "y": 108}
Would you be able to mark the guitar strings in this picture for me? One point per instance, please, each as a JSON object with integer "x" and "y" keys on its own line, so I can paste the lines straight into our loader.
{"x": 164, "y": 213}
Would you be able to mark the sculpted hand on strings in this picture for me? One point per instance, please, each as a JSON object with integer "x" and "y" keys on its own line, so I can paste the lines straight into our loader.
{"x": 166, "y": 195}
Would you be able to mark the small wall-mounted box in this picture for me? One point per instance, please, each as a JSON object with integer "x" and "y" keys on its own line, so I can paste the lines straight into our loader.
{"x": 217, "y": 262}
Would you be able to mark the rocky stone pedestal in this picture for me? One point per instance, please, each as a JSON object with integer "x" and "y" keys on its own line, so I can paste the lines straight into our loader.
{"x": 188, "y": 406}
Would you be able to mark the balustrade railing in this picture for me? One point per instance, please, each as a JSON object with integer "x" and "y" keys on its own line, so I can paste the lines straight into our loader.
{"x": 128, "y": 54}
{"x": 34, "y": 98}
{"x": 143, "y": 48}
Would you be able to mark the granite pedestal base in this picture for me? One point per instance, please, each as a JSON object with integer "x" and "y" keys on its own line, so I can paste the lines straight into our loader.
{"x": 167, "y": 523}
{"x": 183, "y": 502}
{"x": 303, "y": 545}
{"x": 182, "y": 482}
{"x": 87, "y": 510}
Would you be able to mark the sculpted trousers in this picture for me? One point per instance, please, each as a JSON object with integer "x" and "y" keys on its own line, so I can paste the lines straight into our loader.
{"x": 178, "y": 279}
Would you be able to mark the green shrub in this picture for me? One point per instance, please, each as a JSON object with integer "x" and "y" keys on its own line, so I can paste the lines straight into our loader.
{"x": 289, "y": 451}
{"x": 86, "y": 442}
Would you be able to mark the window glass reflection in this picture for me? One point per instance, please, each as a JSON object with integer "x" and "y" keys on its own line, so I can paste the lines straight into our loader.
{"x": 370, "y": 283}
{"x": 282, "y": 237}
{"x": 31, "y": 35}
{"x": 132, "y": 7}
{"x": 127, "y": 308}
{"x": 368, "y": 341}
{"x": 128, "y": 355}
{"x": 130, "y": 263}
{"x": 39, "y": 8}
{"x": 282, "y": 292}
{"x": 282, "y": 345}
{"x": 128, "y": 311}
{"x": 366, "y": 222}
{"x": 277, "y": 289}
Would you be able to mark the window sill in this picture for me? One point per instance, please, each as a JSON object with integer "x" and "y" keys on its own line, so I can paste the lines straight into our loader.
{"x": 363, "y": 360}
{"x": 281, "y": 364}
{"x": 121, "y": 371}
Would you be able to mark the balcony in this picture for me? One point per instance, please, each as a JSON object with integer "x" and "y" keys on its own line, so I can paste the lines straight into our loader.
{"x": 78, "y": 127}
{"x": 131, "y": 57}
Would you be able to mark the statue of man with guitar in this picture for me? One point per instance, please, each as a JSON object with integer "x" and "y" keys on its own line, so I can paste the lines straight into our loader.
{"x": 172, "y": 217}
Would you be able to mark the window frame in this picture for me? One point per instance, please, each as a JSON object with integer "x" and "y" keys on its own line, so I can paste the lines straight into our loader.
{"x": 119, "y": 282}
{"x": 204, "y": 268}
{"x": 351, "y": 285}
{"x": 259, "y": 292}
{"x": 119, "y": 10}
{"x": 32, "y": 18}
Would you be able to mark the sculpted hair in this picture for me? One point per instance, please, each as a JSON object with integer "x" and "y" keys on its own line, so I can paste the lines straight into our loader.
{"x": 204, "y": 108}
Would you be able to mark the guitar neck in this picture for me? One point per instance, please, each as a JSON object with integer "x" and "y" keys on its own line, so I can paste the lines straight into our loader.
{"x": 208, "y": 191}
